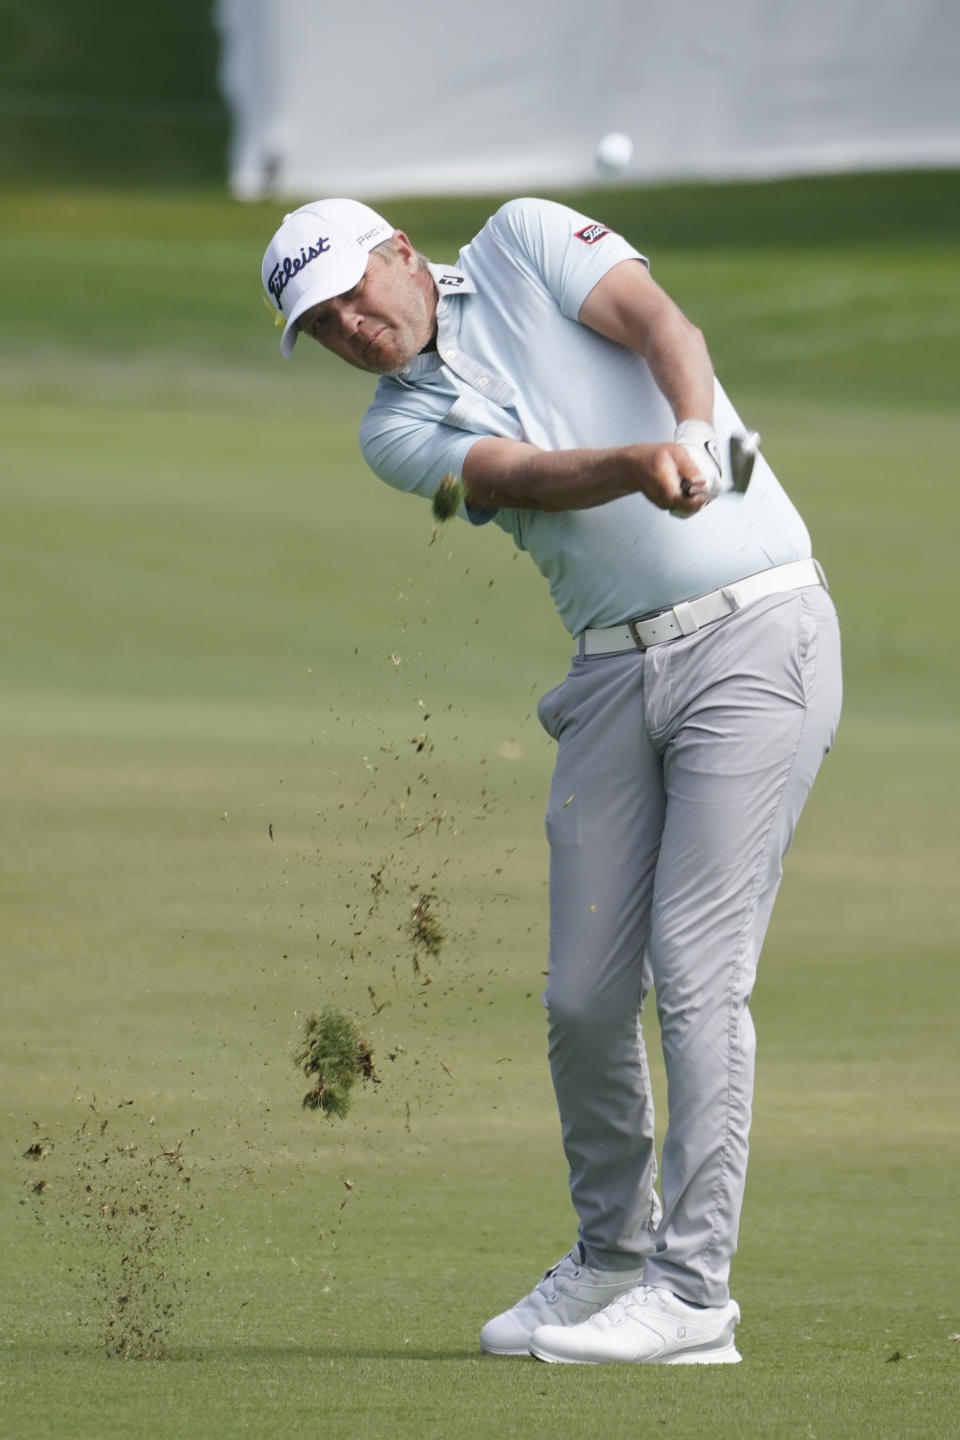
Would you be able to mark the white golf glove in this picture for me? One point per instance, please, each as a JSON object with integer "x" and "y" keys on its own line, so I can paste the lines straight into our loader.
{"x": 700, "y": 441}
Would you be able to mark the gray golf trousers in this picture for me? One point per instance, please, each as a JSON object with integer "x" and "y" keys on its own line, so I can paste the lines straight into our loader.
{"x": 681, "y": 772}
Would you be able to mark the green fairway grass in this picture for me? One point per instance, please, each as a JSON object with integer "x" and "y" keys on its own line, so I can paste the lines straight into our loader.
{"x": 255, "y": 709}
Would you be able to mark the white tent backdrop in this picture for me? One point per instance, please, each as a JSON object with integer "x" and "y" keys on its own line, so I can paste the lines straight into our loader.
{"x": 379, "y": 98}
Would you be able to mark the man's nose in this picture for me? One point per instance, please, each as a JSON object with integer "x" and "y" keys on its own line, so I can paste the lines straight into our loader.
{"x": 351, "y": 318}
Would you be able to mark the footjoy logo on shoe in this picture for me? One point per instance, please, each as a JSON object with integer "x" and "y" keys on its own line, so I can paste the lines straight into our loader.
{"x": 285, "y": 269}
{"x": 681, "y": 1332}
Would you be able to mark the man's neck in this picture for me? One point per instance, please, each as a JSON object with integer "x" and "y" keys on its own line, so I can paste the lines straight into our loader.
{"x": 434, "y": 297}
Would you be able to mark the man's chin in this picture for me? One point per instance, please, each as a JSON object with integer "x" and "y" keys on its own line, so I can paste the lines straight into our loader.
{"x": 387, "y": 362}
{"x": 387, "y": 357}
{"x": 390, "y": 368}
{"x": 392, "y": 358}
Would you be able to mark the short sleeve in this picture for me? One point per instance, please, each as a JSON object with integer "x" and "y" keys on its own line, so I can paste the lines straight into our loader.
{"x": 565, "y": 249}
{"x": 411, "y": 449}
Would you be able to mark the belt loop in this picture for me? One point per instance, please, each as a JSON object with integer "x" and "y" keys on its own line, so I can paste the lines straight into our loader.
{"x": 683, "y": 614}
{"x": 822, "y": 573}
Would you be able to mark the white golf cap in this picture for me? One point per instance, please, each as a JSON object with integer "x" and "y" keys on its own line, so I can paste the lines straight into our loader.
{"x": 319, "y": 251}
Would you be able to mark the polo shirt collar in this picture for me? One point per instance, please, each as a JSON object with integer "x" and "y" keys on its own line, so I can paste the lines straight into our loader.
{"x": 450, "y": 282}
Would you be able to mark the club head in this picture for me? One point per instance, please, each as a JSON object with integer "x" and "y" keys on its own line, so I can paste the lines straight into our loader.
{"x": 744, "y": 450}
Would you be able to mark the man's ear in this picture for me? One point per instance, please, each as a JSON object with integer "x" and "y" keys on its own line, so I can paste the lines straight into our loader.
{"x": 405, "y": 251}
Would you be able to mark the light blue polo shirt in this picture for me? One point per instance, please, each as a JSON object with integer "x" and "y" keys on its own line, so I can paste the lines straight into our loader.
{"x": 513, "y": 360}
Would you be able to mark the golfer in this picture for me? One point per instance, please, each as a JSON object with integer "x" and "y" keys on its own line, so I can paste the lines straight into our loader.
{"x": 578, "y": 404}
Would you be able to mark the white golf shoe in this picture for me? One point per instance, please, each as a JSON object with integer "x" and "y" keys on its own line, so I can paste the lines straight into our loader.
{"x": 569, "y": 1293}
{"x": 644, "y": 1326}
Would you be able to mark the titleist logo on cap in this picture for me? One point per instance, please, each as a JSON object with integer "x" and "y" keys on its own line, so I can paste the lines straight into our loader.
{"x": 285, "y": 269}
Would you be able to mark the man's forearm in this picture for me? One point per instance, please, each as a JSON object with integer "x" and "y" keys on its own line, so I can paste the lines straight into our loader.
{"x": 628, "y": 306}
{"x": 680, "y": 363}
{"x": 500, "y": 473}
{"x": 553, "y": 480}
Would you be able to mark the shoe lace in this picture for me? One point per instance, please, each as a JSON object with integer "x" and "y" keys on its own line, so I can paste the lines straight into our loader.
{"x": 569, "y": 1265}
{"x": 619, "y": 1308}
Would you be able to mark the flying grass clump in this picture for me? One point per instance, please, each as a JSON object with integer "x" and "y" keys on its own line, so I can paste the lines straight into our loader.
{"x": 334, "y": 1056}
{"x": 447, "y": 498}
{"x": 424, "y": 928}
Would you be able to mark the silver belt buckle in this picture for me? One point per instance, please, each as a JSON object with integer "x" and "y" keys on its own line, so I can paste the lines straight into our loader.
{"x": 632, "y": 627}
{"x": 642, "y": 620}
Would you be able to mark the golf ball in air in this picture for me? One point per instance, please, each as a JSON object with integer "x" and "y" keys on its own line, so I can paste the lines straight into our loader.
{"x": 614, "y": 153}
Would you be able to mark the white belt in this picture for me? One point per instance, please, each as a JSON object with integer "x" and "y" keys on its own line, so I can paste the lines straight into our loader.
{"x": 691, "y": 615}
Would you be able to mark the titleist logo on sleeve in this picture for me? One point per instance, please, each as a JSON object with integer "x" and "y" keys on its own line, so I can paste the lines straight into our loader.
{"x": 590, "y": 234}
{"x": 285, "y": 269}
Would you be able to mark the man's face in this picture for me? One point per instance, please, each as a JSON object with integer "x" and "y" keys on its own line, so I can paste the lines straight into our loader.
{"x": 385, "y": 320}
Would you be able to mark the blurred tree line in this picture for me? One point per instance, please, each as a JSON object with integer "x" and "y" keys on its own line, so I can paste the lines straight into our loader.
{"x": 110, "y": 92}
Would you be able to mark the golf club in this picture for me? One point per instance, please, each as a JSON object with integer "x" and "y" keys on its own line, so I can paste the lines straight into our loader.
{"x": 742, "y": 454}
{"x": 744, "y": 450}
